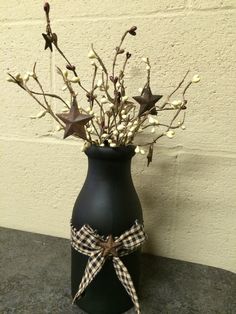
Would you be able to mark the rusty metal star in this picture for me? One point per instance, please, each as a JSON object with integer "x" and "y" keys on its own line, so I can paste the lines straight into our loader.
{"x": 110, "y": 247}
{"x": 75, "y": 121}
{"x": 147, "y": 101}
{"x": 48, "y": 41}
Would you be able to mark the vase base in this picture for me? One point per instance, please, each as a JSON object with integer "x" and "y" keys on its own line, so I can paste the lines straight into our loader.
{"x": 125, "y": 311}
{"x": 105, "y": 294}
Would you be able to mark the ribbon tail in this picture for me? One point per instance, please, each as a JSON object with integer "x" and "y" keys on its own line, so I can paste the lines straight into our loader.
{"x": 94, "y": 265}
{"x": 126, "y": 280}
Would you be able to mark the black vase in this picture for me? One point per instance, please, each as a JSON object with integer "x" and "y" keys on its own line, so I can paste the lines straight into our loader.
{"x": 109, "y": 203}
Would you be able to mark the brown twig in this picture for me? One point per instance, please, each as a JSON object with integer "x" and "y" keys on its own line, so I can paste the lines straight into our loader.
{"x": 174, "y": 91}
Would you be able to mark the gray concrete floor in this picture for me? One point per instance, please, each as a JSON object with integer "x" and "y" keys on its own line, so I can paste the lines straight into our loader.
{"x": 35, "y": 279}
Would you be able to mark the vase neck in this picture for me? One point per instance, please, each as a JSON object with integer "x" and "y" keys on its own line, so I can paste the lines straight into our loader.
{"x": 109, "y": 170}
{"x": 110, "y": 164}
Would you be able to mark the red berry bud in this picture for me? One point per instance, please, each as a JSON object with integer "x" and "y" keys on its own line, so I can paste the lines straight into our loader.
{"x": 115, "y": 79}
{"x": 119, "y": 51}
{"x": 70, "y": 67}
{"x": 46, "y": 7}
{"x": 128, "y": 55}
{"x": 132, "y": 31}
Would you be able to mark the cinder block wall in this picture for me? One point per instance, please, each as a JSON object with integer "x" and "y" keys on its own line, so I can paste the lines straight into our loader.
{"x": 188, "y": 193}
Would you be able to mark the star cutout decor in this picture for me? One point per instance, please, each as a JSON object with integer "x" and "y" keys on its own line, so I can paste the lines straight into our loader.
{"x": 75, "y": 121}
{"x": 48, "y": 41}
{"x": 109, "y": 247}
{"x": 147, "y": 101}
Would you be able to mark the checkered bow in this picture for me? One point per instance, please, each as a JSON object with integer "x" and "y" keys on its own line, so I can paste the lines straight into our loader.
{"x": 88, "y": 242}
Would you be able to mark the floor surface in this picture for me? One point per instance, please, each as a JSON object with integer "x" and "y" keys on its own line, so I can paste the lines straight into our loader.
{"x": 35, "y": 279}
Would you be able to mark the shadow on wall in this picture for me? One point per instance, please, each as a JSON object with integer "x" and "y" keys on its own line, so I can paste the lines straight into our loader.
{"x": 170, "y": 208}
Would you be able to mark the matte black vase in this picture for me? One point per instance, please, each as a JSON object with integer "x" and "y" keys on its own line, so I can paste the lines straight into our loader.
{"x": 109, "y": 203}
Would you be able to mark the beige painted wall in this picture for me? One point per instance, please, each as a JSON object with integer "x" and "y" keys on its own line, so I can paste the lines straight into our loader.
{"x": 188, "y": 193}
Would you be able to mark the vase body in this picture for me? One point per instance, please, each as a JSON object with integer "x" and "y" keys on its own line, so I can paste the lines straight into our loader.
{"x": 108, "y": 203}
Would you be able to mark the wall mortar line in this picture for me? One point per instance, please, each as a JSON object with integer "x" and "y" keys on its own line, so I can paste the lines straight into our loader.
{"x": 161, "y": 148}
{"x": 171, "y": 13}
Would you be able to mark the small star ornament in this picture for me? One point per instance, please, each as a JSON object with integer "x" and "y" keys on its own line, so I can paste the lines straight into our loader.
{"x": 147, "y": 101}
{"x": 48, "y": 41}
{"x": 74, "y": 121}
{"x": 110, "y": 247}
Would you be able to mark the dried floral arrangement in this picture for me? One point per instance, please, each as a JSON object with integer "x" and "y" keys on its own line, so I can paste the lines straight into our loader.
{"x": 112, "y": 118}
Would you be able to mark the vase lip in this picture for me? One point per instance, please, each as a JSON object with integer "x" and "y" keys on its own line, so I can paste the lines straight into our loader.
{"x": 110, "y": 153}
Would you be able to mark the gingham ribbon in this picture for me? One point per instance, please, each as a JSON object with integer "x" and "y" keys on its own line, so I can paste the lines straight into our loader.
{"x": 86, "y": 241}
